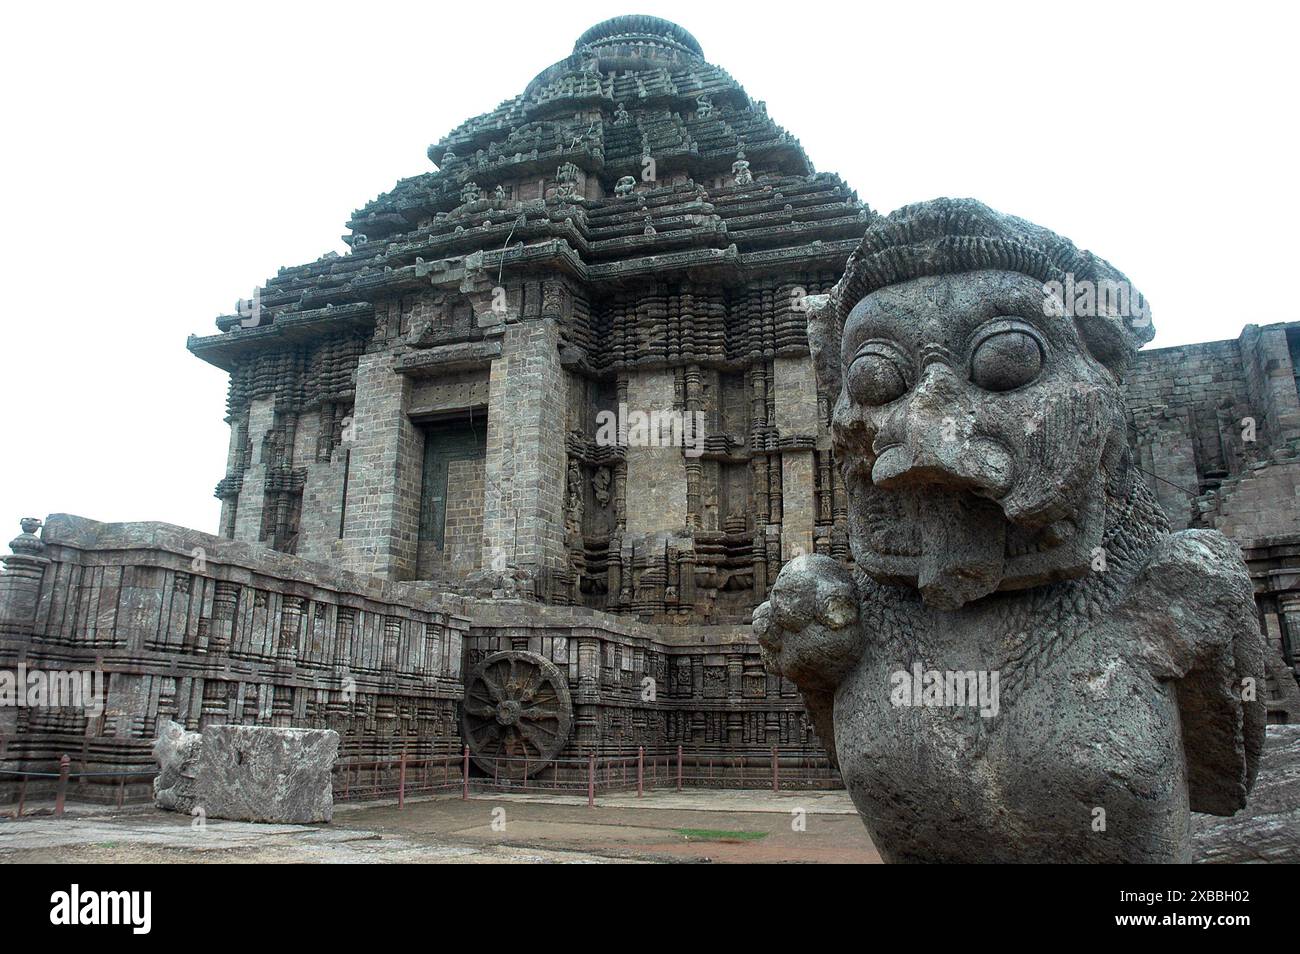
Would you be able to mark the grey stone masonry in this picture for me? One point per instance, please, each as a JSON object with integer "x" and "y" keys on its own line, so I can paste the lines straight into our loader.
{"x": 188, "y": 627}
{"x": 383, "y": 491}
{"x": 523, "y": 488}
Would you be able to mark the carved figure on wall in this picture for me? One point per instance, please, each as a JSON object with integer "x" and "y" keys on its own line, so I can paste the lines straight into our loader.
{"x": 575, "y": 508}
{"x": 600, "y": 486}
{"x": 740, "y": 170}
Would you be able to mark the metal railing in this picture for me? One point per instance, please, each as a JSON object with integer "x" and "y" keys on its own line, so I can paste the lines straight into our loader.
{"x": 64, "y": 776}
{"x": 662, "y": 770}
{"x": 673, "y": 770}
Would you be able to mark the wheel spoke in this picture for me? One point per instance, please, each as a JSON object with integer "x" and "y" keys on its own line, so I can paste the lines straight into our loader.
{"x": 475, "y": 691}
{"x": 536, "y": 713}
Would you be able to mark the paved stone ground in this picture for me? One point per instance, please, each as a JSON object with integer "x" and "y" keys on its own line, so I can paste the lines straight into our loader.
{"x": 661, "y": 827}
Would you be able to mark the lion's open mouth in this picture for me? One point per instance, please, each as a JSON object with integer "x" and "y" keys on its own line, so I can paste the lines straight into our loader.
{"x": 963, "y": 548}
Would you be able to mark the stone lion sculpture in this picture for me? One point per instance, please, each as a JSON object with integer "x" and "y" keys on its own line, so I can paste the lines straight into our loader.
{"x": 1024, "y": 664}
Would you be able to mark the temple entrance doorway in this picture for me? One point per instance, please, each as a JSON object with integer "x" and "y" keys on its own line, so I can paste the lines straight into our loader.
{"x": 451, "y": 497}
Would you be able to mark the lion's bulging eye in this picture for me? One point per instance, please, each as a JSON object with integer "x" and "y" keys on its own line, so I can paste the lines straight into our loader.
{"x": 1006, "y": 360}
{"x": 876, "y": 377}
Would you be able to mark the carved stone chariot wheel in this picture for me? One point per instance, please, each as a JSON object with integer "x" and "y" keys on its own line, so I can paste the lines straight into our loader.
{"x": 517, "y": 713}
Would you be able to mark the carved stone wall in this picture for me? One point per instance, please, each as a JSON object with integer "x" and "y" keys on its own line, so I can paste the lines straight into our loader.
{"x": 633, "y": 233}
{"x": 1215, "y": 428}
{"x": 657, "y": 687}
{"x": 204, "y": 631}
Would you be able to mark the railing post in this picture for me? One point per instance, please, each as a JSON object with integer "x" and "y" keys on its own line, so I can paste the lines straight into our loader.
{"x": 640, "y": 770}
{"x": 65, "y": 766}
{"x": 591, "y": 779}
{"x": 776, "y": 772}
{"x": 679, "y": 768}
{"x": 22, "y": 796}
{"x": 464, "y": 785}
{"x": 401, "y": 781}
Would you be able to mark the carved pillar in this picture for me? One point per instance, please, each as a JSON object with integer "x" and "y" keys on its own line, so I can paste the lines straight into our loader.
{"x": 686, "y": 578}
{"x": 839, "y": 499}
{"x": 392, "y": 638}
{"x": 692, "y": 438}
{"x": 773, "y": 552}
{"x": 225, "y": 598}
{"x": 770, "y": 393}
{"x": 735, "y": 729}
{"x": 20, "y": 583}
{"x": 839, "y": 514}
{"x": 628, "y": 576}
{"x": 620, "y": 468}
{"x": 614, "y": 571}
{"x": 1288, "y": 609}
{"x": 757, "y": 403}
{"x": 735, "y": 675}
{"x": 772, "y": 728}
{"x": 774, "y": 502}
{"x": 823, "y": 486}
{"x": 586, "y": 699}
{"x": 286, "y": 651}
{"x": 620, "y": 496}
{"x": 344, "y": 628}
{"x": 671, "y": 590}
{"x": 759, "y": 553}
{"x": 762, "y": 510}
{"x": 433, "y": 640}
{"x": 694, "y": 478}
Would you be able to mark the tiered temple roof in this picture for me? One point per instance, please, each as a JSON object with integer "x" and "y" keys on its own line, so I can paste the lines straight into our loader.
{"x": 536, "y": 183}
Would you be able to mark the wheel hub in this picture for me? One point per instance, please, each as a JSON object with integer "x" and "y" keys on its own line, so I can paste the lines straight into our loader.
{"x": 507, "y": 712}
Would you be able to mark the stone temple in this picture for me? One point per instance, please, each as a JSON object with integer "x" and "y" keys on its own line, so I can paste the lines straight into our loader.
{"x": 556, "y": 410}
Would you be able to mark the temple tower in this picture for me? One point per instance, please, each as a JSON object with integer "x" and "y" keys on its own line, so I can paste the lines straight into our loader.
{"x": 573, "y": 354}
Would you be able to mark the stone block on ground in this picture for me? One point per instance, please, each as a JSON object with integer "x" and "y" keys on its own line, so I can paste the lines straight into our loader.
{"x": 265, "y": 774}
{"x": 1268, "y": 828}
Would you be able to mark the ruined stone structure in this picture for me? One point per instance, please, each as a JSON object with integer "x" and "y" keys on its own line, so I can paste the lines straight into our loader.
{"x": 204, "y": 631}
{"x": 421, "y": 472}
{"x": 630, "y": 235}
{"x": 1216, "y": 430}
{"x": 631, "y": 232}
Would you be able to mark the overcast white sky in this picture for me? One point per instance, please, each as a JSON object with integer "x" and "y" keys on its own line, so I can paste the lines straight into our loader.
{"x": 161, "y": 160}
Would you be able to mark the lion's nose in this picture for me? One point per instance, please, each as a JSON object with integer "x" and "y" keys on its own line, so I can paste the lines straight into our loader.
{"x": 934, "y": 442}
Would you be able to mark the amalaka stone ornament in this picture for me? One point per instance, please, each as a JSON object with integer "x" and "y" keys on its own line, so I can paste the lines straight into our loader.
{"x": 1025, "y": 664}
